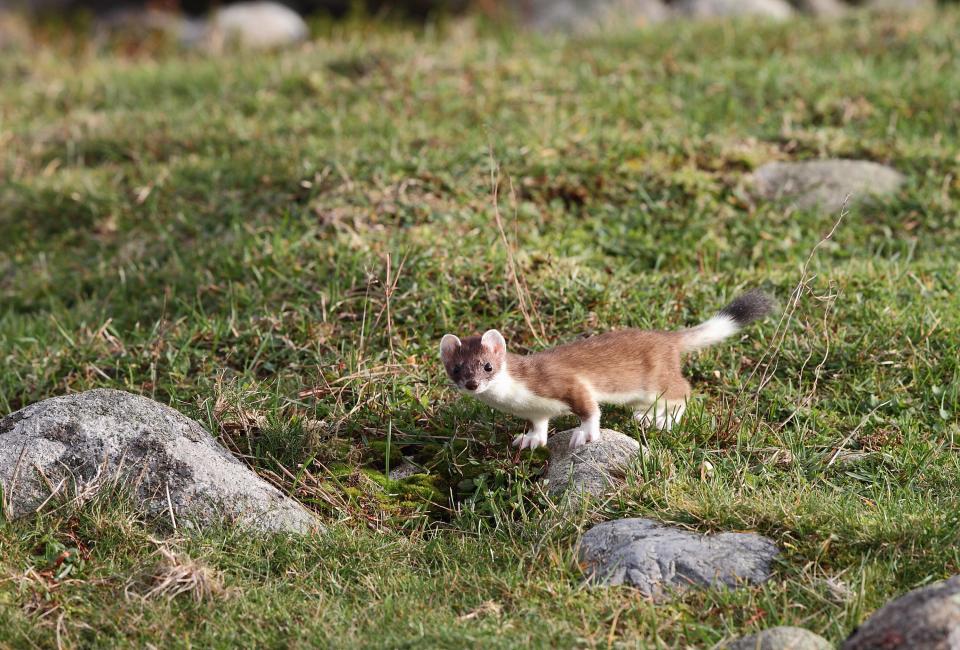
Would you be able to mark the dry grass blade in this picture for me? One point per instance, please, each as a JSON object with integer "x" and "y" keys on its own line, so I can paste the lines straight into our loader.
{"x": 523, "y": 297}
{"x": 770, "y": 359}
{"x": 486, "y": 608}
{"x": 177, "y": 574}
{"x": 389, "y": 288}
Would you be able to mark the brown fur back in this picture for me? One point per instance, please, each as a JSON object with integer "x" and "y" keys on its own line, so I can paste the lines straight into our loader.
{"x": 615, "y": 362}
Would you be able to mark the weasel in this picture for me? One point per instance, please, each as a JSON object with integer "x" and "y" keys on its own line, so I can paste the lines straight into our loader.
{"x": 637, "y": 368}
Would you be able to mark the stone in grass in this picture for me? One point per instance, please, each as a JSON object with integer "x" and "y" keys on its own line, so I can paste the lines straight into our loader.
{"x": 587, "y": 15}
{"x": 770, "y": 9}
{"x": 780, "y": 638}
{"x": 659, "y": 560}
{"x": 406, "y": 469}
{"x": 75, "y": 444}
{"x": 825, "y": 183}
{"x": 591, "y": 469}
{"x": 923, "y": 619}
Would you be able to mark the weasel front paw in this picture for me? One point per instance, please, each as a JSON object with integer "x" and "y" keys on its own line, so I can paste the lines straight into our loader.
{"x": 531, "y": 440}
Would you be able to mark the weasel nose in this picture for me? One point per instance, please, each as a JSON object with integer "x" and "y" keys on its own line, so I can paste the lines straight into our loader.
{"x": 470, "y": 384}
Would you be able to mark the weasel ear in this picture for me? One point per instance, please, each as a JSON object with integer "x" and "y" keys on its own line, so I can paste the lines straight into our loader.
{"x": 449, "y": 344}
{"x": 493, "y": 341}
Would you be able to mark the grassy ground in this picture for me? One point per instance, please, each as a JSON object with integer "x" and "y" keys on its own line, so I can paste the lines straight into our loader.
{"x": 275, "y": 244}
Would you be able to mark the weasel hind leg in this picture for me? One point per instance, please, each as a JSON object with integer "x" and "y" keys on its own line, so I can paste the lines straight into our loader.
{"x": 671, "y": 414}
{"x": 663, "y": 414}
{"x": 588, "y": 431}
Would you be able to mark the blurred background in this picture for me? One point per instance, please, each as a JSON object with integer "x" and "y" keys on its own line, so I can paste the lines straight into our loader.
{"x": 269, "y": 24}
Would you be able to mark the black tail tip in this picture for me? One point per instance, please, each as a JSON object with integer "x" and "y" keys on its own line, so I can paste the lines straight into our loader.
{"x": 749, "y": 307}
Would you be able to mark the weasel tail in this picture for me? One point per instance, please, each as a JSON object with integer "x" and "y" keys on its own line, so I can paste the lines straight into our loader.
{"x": 727, "y": 322}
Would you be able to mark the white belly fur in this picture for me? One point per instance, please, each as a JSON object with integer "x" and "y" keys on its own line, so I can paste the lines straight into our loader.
{"x": 506, "y": 394}
{"x": 633, "y": 398}
{"x": 511, "y": 396}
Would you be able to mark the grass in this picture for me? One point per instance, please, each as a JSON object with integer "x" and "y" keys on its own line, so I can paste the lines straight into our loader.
{"x": 275, "y": 244}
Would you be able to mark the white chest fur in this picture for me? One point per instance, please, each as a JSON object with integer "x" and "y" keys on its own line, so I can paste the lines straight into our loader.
{"x": 506, "y": 394}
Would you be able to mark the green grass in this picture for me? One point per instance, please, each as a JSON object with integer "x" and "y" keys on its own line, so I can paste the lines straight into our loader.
{"x": 215, "y": 233}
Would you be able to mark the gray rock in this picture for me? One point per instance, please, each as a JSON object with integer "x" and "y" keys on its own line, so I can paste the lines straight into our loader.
{"x": 75, "y": 444}
{"x": 781, "y": 638}
{"x": 923, "y": 619}
{"x": 772, "y": 9}
{"x": 406, "y": 469}
{"x": 591, "y": 469}
{"x": 825, "y": 183}
{"x": 659, "y": 559}
{"x": 586, "y": 15}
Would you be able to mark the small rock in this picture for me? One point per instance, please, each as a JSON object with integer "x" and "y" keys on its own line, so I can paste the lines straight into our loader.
{"x": 404, "y": 470}
{"x": 656, "y": 558}
{"x": 780, "y": 638}
{"x": 825, "y": 183}
{"x": 253, "y": 25}
{"x": 76, "y": 444}
{"x": 772, "y": 9}
{"x": 923, "y": 619}
{"x": 586, "y": 15}
{"x": 591, "y": 469}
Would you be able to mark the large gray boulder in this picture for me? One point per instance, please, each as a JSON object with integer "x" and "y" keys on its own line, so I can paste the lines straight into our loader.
{"x": 707, "y": 9}
{"x": 587, "y": 15}
{"x": 825, "y": 183}
{"x": 659, "y": 560}
{"x": 591, "y": 469}
{"x": 781, "y": 638}
{"x": 923, "y": 619}
{"x": 77, "y": 443}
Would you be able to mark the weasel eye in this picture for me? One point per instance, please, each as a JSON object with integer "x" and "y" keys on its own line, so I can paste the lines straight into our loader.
{"x": 456, "y": 370}
{"x": 488, "y": 367}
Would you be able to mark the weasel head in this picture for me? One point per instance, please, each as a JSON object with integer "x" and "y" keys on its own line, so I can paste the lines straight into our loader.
{"x": 475, "y": 361}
